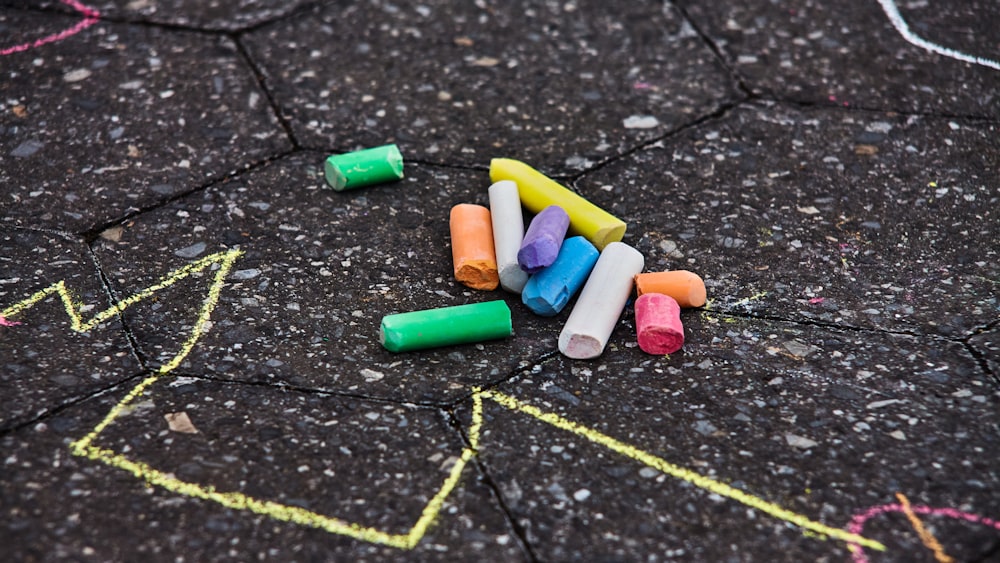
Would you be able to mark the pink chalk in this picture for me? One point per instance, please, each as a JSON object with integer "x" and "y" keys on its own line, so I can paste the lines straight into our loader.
{"x": 857, "y": 525}
{"x": 5, "y": 322}
{"x": 658, "y": 324}
{"x": 90, "y": 17}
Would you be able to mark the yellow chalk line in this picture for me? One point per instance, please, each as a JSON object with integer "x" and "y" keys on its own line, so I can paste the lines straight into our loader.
{"x": 710, "y": 303}
{"x": 928, "y": 539}
{"x": 201, "y": 325}
{"x": 235, "y": 500}
{"x": 238, "y": 501}
{"x": 681, "y": 473}
{"x": 84, "y": 447}
{"x": 58, "y": 287}
{"x": 748, "y": 300}
{"x": 278, "y": 511}
{"x": 225, "y": 259}
{"x": 433, "y": 508}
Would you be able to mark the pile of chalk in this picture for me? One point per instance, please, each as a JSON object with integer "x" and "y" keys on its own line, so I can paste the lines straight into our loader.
{"x": 570, "y": 246}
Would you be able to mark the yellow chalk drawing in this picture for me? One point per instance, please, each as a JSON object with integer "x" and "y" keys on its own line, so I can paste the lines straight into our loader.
{"x": 277, "y": 511}
{"x": 751, "y": 299}
{"x": 710, "y": 303}
{"x": 696, "y": 479}
{"x": 84, "y": 447}
{"x": 223, "y": 259}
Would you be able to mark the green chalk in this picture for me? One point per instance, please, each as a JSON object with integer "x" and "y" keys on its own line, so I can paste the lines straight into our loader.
{"x": 431, "y": 328}
{"x": 364, "y": 168}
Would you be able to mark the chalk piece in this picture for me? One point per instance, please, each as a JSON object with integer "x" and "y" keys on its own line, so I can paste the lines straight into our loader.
{"x": 538, "y": 192}
{"x": 548, "y": 291}
{"x": 508, "y": 233}
{"x": 364, "y": 168}
{"x": 447, "y": 326}
{"x": 596, "y": 312}
{"x": 687, "y": 288}
{"x": 658, "y": 324}
{"x": 472, "y": 246}
{"x": 542, "y": 241}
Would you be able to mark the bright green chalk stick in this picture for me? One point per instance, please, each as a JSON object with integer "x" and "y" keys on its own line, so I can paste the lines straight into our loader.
{"x": 364, "y": 168}
{"x": 431, "y": 328}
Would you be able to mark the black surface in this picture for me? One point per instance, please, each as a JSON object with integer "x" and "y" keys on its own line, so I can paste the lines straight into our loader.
{"x": 835, "y": 185}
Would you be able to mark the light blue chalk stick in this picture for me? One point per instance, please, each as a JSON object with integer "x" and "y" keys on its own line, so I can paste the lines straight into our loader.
{"x": 548, "y": 291}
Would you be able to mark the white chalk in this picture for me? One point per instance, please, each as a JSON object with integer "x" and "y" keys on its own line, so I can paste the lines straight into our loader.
{"x": 892, "y": 11}
{"x": 601, "y": 302}
{"x": 508, "y": 233}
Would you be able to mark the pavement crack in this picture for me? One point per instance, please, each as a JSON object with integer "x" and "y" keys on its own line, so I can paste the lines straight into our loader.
{"x": 487, "y": 480}
{"x": 965, "y": 341}
{"x": 985, "y": 328}
{"x": 980, "y": 359}
{"x": 713, "y": 46}
{"x": 163, "y": 25}
{"x": 297, "y": 11}
{"x": 54, "y": 232}
{"x": 48, "y": 413}
{"x": 91, "y": 235}
{"x": 282, "y": 385}
{"x": 820, "y": 324}
{"x": 515, "y": 374}
{"x": 272, "y": 102}
{"x": 109, "y": 293}
{"x": 718, "y": 113}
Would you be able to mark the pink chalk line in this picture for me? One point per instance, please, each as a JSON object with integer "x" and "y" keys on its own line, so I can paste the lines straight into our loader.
{"x": 5, "y": 322}
{"x": 858, "y": 522}
{"x": 90, "y": 17}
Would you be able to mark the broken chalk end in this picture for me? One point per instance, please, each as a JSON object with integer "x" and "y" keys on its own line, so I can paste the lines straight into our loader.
{"x": 580, "y": 346}
{"x": 334, "y": 177}
{"x": 478, "y": 274}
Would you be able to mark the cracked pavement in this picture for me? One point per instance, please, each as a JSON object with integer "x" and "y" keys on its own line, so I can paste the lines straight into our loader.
{"x": 189, "y": 358}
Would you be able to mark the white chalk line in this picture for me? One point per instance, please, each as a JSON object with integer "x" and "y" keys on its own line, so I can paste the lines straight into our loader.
{"x": 891, "y": 10}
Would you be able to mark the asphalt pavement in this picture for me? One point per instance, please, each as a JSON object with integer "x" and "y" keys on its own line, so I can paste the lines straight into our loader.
{"x": 190, "y": 365}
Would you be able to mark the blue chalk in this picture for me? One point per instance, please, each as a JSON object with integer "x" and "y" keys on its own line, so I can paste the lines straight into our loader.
{"x": 548, "y": 291}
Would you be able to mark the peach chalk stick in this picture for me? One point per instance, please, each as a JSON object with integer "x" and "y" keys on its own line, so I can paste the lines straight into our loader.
{"x": 687, "y": 288}
{"x": 596, "y": 312}
{"x": 508, "y": 234}
{"x": 472, "y": 246}
{"x": 537, "y": 192}
{"x": 658, "y": 324}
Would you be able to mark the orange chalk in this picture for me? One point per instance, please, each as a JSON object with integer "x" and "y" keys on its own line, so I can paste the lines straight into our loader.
{"x": 685, "y": 287}
{"x": 472, "y": 247}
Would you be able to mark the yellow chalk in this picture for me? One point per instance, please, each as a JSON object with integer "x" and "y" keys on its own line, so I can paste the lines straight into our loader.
{"x": 223, "y": 262}
{"x": 537, "y": 192}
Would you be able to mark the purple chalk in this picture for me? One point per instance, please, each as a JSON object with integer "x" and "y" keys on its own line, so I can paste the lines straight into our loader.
{"x": 541, "y": 243}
